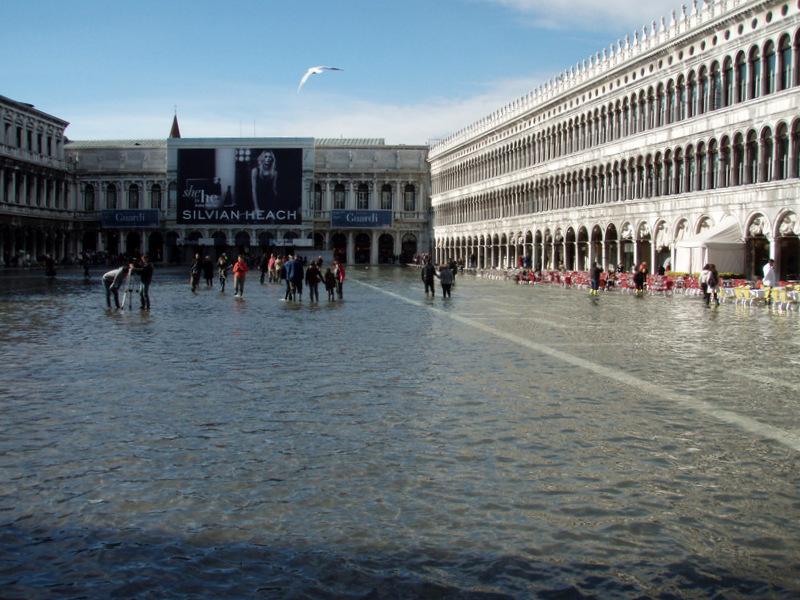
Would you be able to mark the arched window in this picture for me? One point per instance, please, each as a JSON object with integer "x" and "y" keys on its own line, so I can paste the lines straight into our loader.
{"x": 794, "y": 154}
{"x": 737, "y": 165}
{"x": 728, "y": 83}
{"x": 765, "y": 160}
{"x": 671, "y": 103}
{"x": 702, "y": 167}
{"x": 316, "y": 199}
{"x": 111, "y": 196}
{"x": 661, "y": 106}
{"x": 386, "y": 197}
{"x": 133, "y": 196}
{"x": 680, "y": 172}
{"x": 362, "y": 197}
{"x": 782, "y": 149}
{"x": 409, "y": 198}
{"x": 725, "y": 163}
{"x": 667, "y": 185}
{"x": 682, "y": 99}
{"x": 155, "y": 196}
{"x": 741, "y": 75}
{"x": 339, "y": 196}
{"x": 785, "y": 67}
{"x": 702, "y": 93}
{"x": 751, "y": 158}
{"x": 88, "y": 198}
{"x": 713, "y": 165}
{"x": 754, "y": 72}
{"x": 715, "y": 91}
{"x": 770, "y": 68}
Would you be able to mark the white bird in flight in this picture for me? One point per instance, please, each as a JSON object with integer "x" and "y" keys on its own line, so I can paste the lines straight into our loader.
{"x": 314, "y": 71}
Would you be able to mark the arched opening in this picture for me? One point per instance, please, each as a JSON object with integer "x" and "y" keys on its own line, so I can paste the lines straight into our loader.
{"x": 386, "y": 249}
{"x": 339, "y": 243}
{"x": 155, "y": 246}
{"x": 363, "y": 247}
{"x": 408, "y": 248}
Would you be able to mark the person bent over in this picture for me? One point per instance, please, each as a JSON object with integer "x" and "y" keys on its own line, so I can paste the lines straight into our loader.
{"x": 112, "y": 281}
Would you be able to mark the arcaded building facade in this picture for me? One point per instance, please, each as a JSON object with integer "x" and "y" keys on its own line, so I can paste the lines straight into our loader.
{"x": 36, "y": 209}
{"x": 360, "y": 200}
{"x": 676, "y": 145}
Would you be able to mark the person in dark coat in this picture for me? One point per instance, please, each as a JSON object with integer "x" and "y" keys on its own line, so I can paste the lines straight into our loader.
{"x": 428, "y": 274}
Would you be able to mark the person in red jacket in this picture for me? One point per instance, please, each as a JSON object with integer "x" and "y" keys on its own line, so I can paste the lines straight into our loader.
{"x": 338, "y": 272}
{"x": 239, "y": 272}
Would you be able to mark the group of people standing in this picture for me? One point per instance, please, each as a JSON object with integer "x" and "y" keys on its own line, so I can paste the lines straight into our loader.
{"x": 113, "y": 280}
{"x": 446, "y": 275}
{"x": 294, "y": 270}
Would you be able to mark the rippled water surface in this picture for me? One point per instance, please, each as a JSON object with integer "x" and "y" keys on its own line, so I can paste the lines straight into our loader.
{"x": 510, "y": 442}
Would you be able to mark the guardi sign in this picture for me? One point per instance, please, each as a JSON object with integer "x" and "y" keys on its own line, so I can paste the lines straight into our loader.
{"x": 361, "y": 219}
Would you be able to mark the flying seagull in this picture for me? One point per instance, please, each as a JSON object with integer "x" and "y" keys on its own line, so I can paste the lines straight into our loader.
{"x": 314, "y": 71}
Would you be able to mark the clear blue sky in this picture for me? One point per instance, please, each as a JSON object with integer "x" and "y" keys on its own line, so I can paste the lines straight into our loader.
{"x": 414, "y": 70}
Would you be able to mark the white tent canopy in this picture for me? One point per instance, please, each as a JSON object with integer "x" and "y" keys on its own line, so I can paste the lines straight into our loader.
{"x": 721, "y": 245}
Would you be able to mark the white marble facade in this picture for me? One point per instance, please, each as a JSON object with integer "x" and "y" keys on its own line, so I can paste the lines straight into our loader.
{"x": 646, "y": 152}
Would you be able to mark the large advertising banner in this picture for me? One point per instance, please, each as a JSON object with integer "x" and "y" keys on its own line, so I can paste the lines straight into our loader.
{"x": 240, "y": 186}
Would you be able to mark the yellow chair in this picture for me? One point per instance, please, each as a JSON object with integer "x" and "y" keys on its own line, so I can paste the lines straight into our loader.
{"x": 779, "y": 298}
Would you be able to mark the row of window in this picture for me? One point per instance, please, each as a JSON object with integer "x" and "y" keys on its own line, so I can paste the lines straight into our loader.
{"x": 735, "y": 79}
{"x": 19, "y": 187}
{"x": 27, "y": 139}
{"x": 363, "y": 200}
{"x": 133, "y": 197}
{"x": 732, "y": 160}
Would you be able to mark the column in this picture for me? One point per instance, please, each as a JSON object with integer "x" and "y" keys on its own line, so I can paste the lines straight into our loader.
{"x": 653, "y": 257}
{"x": 351, "y": 248}
{"x": 373, "y": 248}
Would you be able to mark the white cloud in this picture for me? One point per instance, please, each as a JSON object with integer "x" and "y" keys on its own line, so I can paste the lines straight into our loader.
{"x": 615, "y": 16}
{"x": 287, "y": 115}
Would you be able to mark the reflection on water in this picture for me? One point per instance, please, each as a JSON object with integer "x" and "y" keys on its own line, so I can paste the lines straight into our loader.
{"x": 508, "y": 442}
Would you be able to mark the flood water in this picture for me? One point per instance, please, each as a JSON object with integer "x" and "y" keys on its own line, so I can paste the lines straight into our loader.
{"x": 509, "y": 442}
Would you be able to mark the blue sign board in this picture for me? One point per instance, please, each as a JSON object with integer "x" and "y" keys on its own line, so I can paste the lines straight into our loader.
{"x": 361, "y": 219}
{"x": 130, "y": 218}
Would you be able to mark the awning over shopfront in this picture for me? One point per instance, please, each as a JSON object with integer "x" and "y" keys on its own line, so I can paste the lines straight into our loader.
{"x": 721, "y": 245}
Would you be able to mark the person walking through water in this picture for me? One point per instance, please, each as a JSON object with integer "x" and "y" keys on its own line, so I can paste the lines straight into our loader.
{"x": 330, "y": 284}
{"x": 294, "y": 278}
{"x": 222, "y": 270}
{"x": 194, "y": 272}
{"x": 112, "y": 281}
{"x": 713, "y": 285}
{"x": 338, "y": 272}
{"x": 208, "y": 271}
{"x": 770, "y": 279}
{"x": 428, "y": 274}
{"x": 263, "y": 267}
{"x": 239, "y": 273}
{"x": 313, "y": 277}
{"x": 594, "y": 278}
{"x": 446, "y": 279}
{"x": 144, "y": 270}
{"x": 639, "y": 279}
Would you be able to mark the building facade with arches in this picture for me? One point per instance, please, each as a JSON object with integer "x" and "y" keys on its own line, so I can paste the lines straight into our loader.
{"x": 362, "y": 200}
{"x": 657, "y": 144}
{"x": 36, "y": 205}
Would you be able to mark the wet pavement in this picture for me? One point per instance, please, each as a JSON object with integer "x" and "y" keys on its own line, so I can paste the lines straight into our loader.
{"x": 509, "y": 442}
